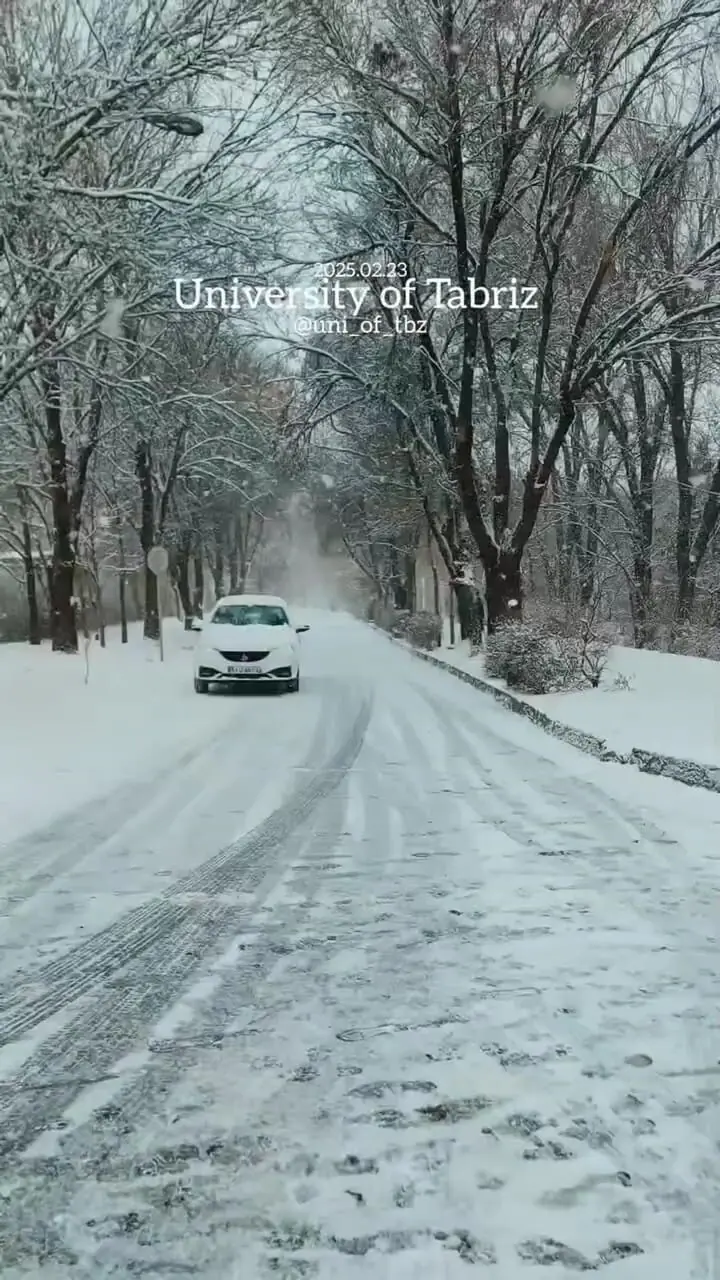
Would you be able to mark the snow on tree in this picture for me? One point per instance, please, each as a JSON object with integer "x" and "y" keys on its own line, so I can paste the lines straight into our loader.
{"x": 123, "y": 157}
{"x": 521, "y": 152}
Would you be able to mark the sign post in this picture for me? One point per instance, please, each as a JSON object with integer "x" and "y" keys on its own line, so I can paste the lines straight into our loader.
{"x": 157, "y": 562}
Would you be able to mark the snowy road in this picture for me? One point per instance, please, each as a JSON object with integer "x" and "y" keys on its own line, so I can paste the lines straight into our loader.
{"x": 380, "y": 983}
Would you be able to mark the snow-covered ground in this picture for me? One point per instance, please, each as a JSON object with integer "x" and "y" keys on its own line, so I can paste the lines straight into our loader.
{"x": 66, "y": 741}
{"x": 659, "y": 702}
{"x": 453, "y": 1003}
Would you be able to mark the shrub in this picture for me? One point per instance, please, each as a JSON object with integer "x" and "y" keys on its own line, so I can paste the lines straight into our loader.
{"x": 421, "y": 629}
{"x": 521, "y": 655}
{"x": 697, "y": 640}
{"x": 399, "y": 622}
{"x": 424, "y": 630}
{"x": 535, "y": 658}
{"x": 383, "y": 615}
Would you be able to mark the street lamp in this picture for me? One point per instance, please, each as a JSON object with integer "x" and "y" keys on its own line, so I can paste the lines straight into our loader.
{"x": 172, "y": 122}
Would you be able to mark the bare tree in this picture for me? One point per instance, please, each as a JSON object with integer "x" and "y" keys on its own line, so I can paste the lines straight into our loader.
{"x": 98, "y": 195}
{"x": 501, "y": 137}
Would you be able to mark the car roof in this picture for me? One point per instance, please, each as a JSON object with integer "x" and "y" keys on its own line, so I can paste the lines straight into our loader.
{"x": 273, "y": 600}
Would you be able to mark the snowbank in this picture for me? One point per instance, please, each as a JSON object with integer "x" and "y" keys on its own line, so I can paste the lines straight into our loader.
{"x": 65, "y": 741}
{"x": 672, "y": 705}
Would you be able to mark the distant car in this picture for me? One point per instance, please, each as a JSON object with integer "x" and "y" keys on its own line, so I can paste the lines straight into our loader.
{"x": 248, "y": 640}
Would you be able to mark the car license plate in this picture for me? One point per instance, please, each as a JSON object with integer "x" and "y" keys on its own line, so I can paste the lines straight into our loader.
{"x": 244, "y": 671}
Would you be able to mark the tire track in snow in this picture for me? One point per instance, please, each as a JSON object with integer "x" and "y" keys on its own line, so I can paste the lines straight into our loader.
{"x": 159, "y": 973}
{"x": 289, "y": 1110}
{"x": 242, "y": 992}
{"x": 91, "y": 1156}
{"x": 240, "y": 866}
{"x": 197, "y": 811}
{"x": 74, "y": 837}
{"x": 285, "y": 1097}
{"x": 432, "y": 831}
{"x": 55, "y": 971}
{"x": 119, "y": 818}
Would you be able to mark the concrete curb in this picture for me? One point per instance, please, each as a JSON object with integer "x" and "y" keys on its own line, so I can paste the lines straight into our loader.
{"x": 689, "y": 772}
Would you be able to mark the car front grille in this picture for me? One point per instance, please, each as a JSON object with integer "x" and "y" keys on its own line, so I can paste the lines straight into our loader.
{"x": 242, "y": 655}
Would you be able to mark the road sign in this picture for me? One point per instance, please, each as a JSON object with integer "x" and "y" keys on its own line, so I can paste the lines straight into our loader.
{"x": 158, "y": 560}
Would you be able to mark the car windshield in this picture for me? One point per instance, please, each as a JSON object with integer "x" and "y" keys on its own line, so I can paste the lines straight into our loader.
{"x": 250, "y": 615}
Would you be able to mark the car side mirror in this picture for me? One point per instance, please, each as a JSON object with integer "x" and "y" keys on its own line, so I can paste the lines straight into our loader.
{"x": 301, "y": 629}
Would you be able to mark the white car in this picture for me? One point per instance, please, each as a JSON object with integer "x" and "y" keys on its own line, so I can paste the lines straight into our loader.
{"x": 248, "y": 639}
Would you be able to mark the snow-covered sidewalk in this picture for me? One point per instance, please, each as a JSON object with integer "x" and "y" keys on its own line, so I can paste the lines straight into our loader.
{"x": 656, "y": 702}
{"x": 68, "y": 739}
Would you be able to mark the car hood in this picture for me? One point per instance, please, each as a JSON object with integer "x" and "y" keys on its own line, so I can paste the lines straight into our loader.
{"x": 239, "y": 639}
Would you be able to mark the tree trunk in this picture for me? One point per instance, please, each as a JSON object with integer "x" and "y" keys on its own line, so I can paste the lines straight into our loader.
{"x": 706, "y": 525}
{"x": 641, "y": 601}
{"x": 435, "y": 575}
{"x": 198, "y": 582}
{"x": 588, "y": 559}
{"x": 569, "y": 524}
{"x": 469, "y": 612}
{"x": 559, "y": 575}
{"x": 687, "y": 583}
{"x": 236, "y": 559}
{"x": 503, "y": 591}
{"x": 42, "y": 578}
{"x": 122, "y": 589}
{"x": 143, "y": 470}
{"x": 182, "y": 578}
{"x": 411, "y": 582}
{"x": 83, "y": 613}
{"x": 100, "y": 607}
{"x": 686, "y": 571}
{"x": 218, "y": 569}
{"x": 34, "y": 630}
{"x": 151, "y": 628}
{"x": 643, "y": 611}
{"x": 97, "y": 585}
{"x": 398, "y": 589}
{"x": 63, "y": 622}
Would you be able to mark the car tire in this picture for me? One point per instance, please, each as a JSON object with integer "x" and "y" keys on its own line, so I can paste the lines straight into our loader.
{"x": 294, "y": 685}
{"x": 201, "y": 686}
